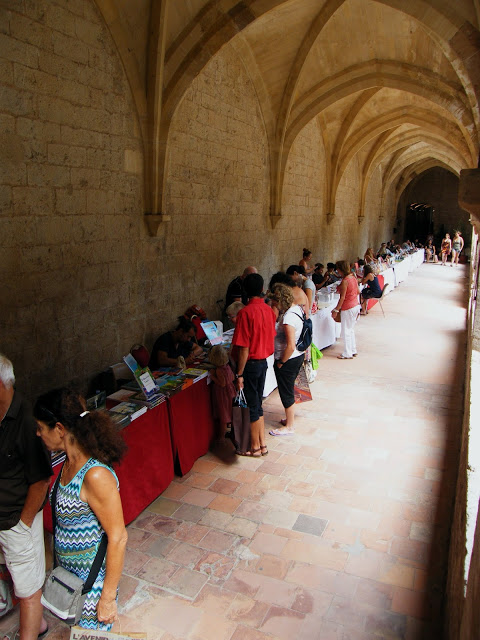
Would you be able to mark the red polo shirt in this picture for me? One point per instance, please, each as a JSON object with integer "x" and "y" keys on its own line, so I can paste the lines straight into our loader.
{"x": 255, "y": 329}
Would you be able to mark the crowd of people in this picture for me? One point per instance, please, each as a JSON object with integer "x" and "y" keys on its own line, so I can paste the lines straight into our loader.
{"x": 87, "y": 501}
{"x": 448, "y": 247}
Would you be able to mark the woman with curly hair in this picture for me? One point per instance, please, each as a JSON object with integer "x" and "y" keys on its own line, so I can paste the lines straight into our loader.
{"x": 87, "y": 502}
{"x": 288, "y": 359}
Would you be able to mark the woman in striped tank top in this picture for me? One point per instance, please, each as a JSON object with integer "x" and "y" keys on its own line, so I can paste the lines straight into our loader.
{"x": 88, "y": 502}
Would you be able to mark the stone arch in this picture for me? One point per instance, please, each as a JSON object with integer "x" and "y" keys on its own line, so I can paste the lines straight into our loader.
{"x": 415, "y": 137}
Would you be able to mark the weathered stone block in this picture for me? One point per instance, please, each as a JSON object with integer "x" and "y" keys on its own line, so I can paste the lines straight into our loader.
{"x": 66, "y": 155}
{"x": 70, "y": 48}
{"x": 48, "y": 175}
{"x": 33, "y": 201}
{"x": 70, "y": 201}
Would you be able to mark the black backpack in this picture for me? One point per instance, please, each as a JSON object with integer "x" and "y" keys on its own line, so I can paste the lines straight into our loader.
{"x": 305, "y": 339}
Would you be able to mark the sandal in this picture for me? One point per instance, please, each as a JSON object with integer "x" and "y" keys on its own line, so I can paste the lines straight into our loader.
{"x": 344, "y": 357}
{"x": 282, "y": 432}
{"x": 253, "y": 453}
{"x": 264, "y": 446}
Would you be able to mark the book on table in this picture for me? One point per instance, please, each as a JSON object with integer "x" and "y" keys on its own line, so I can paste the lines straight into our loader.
{"x": 195, "y": 374}
{"x": 144, "y": 378}
{"x": 131, "y": 409}
{"x": 123, "y": 395}
{"x": 154, "y": 401}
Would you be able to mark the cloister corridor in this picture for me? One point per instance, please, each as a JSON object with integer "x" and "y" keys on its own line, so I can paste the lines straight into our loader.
{"x": 342, "y": 531}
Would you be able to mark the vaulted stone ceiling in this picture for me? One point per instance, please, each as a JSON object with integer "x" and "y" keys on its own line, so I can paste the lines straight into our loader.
{"x": 395, "y": 83}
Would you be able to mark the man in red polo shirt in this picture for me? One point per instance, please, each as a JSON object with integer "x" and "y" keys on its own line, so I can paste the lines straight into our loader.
{"x": 253, "y": 337}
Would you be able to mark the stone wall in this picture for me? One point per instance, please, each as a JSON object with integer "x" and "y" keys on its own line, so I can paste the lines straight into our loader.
{"x": 70, "y": 203}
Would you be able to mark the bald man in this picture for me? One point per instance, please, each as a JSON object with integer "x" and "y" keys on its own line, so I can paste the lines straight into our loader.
{"x": 235, "y": 291}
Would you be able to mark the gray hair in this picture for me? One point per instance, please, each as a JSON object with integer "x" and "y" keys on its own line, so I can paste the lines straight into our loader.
{"x": 6, "y": 371}
{"x": 234, "y": 308}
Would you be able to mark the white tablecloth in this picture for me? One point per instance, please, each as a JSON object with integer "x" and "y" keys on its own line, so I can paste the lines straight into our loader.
{"x": 388, "y": 278}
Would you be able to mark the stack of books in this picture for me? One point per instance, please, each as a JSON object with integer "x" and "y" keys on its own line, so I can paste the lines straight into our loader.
{"x": 153, "y": 401}
{"x": 123, "y": 413}
{"x": 195, "y": 374}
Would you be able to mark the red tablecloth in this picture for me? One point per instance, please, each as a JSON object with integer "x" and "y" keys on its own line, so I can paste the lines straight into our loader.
{"x": 191, "y": 424}
{"x": 147, "y": 468}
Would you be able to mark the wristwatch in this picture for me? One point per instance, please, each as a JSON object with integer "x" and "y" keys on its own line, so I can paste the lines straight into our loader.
{"x": 238, "y": 375}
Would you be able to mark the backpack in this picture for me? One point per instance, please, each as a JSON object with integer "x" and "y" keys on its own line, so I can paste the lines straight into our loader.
{"x": 305, "y": 339}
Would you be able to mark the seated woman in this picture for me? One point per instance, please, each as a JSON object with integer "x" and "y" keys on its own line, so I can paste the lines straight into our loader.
{"x": 430, "y": 251}
{"x": 173, "y": 344}
{"x": 87, "y": 502}
{"x": 369, "y": 256}
{"x": 372, "y": 288}
{"x": 317, "y": 275}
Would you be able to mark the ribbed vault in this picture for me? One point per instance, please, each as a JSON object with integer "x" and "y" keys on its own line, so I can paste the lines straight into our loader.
{"x": 411, "y": 71}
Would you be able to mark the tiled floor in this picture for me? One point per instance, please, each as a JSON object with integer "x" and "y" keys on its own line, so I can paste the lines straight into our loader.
{"x": 341, "y": 531}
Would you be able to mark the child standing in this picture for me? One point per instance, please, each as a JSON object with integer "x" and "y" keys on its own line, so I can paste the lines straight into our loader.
{"x": 223, "y": 390}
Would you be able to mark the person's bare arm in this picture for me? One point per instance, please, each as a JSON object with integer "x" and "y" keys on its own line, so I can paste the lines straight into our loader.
{"x": 242, "y": 361}
{"x": 100, "y": 491}
{"x": 35, "y": 496}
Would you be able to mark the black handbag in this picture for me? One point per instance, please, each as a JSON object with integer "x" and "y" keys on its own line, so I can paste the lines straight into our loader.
{"x": 64, "y": 593}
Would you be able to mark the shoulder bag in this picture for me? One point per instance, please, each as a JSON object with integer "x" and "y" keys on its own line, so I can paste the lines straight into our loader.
{"x": 64, "y": 593}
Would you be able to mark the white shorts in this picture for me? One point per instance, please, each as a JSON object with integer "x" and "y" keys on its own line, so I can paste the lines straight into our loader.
{"x": 24, "y": 554}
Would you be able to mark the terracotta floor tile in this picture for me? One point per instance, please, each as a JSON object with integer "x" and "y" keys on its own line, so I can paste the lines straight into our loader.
{"x": 189, "y": 512}
{"x": 134, "y": 561}
{"x": 164, "y": 506}
{"x": 248, "y": 477}
{"x": 159, "y": 546}
{"x": 272, "y": 566}
{"x": 252, "y": 511}
{"x": 186, "y": 555}
{"x": 268, "y": 543}
{"x": 175, "y": 491}
{"x": 198, "y": 497}
{"x": 215, "y": 565}
{"x": 204, "y": 466}
{"x": 227, "y": 504}
{"x": 247, "y": 611}
{"x": 186, "y": 582}
{"x": 136, "y": 537}
{"x": 190, "y": 532}
{"x": 222, "y": 485}
{"x": 217, "y": 541}
{"x": 212, "y": 628}
{"x": 200, "y": 480}
{"x": 157, "y": 570}
{"x": 214, "y": 600}
{"x": 282, "y": 622}
{"x": 242, "y": 527}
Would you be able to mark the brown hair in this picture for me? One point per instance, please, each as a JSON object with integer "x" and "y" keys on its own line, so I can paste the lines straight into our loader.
{"x": 343, "y": 266}
{"x": 94, "y": 431}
